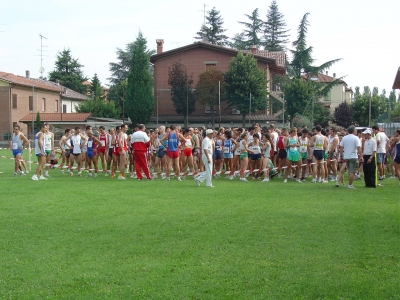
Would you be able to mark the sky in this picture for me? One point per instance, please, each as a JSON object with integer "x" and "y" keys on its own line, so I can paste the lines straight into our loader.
{"x": 364, "y": 34}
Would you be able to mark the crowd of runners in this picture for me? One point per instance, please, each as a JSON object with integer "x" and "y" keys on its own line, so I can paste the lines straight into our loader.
{"x": 255, "y": 153}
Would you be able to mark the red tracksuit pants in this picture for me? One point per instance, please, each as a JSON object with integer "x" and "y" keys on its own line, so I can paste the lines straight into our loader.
{"x": 140, "y": 158}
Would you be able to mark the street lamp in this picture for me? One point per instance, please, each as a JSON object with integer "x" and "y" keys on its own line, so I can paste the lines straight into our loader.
{"x": 313, "y": 78}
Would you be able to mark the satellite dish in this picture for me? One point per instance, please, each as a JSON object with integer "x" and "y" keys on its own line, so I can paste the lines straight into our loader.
{"x": 41, "y": 70}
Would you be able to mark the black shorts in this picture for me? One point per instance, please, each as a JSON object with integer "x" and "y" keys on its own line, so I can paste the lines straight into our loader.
{"x": 161, "y": 153}
{"x": 282, "y": 154}
{"x": 319, "y": 154}
{"x": 67, "y": 153}
{"x": 217, "y": 155}
{"x": 110, "y": 152}
{"x": 397, "y": 160}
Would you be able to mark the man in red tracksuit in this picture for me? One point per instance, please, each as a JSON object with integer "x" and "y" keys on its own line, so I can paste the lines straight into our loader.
{"x": 141, "y": 143}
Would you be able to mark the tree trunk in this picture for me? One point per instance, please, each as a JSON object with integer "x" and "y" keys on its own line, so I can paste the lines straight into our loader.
{"x": 212, "y": 117}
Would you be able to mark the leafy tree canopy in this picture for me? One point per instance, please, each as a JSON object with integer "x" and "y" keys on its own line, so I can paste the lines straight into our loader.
{"x": 101, "y": 109}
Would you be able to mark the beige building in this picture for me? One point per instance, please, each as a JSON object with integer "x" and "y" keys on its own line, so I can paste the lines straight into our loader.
{"x": 20, "y": 96}
{"x": 338, "y": 94}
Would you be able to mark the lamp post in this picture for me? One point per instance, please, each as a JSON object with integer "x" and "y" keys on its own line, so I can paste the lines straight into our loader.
{"x": 313, "y": 78}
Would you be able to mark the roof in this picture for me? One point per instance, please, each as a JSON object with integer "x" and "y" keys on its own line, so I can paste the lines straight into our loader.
{"x": 41, "y": 84}
{"x": 207, "y": 118}
{"x": 324, "y": 78}
{"x": 278, "y": 58}
{"x": 396, "y": 83}
{"x": 57, "y": 117}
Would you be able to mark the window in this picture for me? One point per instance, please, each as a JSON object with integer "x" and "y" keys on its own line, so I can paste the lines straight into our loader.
{"x": 43, "y": 104}
{"x": 31, "y": 103}
{"x": 14, "y": 101}
{"x": 64, "y": 110}
{"x": 56, "y": 106}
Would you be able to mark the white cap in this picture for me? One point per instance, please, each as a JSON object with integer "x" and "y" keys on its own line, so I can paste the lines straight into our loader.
{"x": 209, "y": 131}
{"x": 367, "y": 131}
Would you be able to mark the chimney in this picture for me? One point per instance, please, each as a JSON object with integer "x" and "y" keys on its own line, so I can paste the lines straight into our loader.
{"x": 253, "y": 49}
{"x": 160, "y": 44}
{"x": 334, "y": 75}
{"x": 27, "y": 74}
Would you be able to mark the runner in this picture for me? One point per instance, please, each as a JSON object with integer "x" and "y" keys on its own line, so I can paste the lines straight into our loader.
{"x": 39, "y": 152}
{"x": 93, "y": 144}
{"x": 292, "y": 145}
{"x": 396, "y": 161}
{"x": 381, "y": 142}
{"x": 282, "y": 153}
{"x": 187, "y": 158}
{"x": 103, "y": 149}
{"x": 218, "y": 153}
{"x": 173, "y": 138}
{"x": 110, "y": 146}
{"x": 161, "y": 159}
{"x": 65, "y": 146}
{"x": 267, "y": 153}
{"x": 255, "y": 156}
{"x": 320, "y": 144}
{"x": 244, "y": 156}
{"x": 304, "y": 153}
{"x": 333, "y": 144}
{"x": 123, "y": 150}
{"x": 48, "y": 147}
{"x": 17, "y": 143}
{"x": 229, "y": 145}
{"x": 77, "y": 142}
{"x": 115, "y": 151}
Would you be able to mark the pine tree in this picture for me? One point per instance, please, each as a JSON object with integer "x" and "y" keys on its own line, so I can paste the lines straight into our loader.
{"x": 182, "y": 94}
{"x": 275, "y": 33}
{"x": 252, "y": 29}
{"x": 239, "y": 42}
{"x": 213, "y": 33}
{"x": 68, "y": 72}
{"x": 139, "y": 92}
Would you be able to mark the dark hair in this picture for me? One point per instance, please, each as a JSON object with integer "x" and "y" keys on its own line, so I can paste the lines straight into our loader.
{"x": 305, "y": 130}
{"x": 187, "y": 130}
{"x": 140, "y": 126}
{"x": 251, "y": 128}
{"x": 67, "y": 130}
{"x": 334, "y": 129}
{"x": 228, "y": 134}
{"x": 375, "y": 127}
{"x": 117, "y": 128}
{"x": 318, "y": 128}
{"x": 101, "y": 127}
{"x": 256, "y": 136}
{"x": 267, "y": 136}
{"x": 88, "y": 127}
{"x": 323, "y": 131}
{"x": 172, "y": 127}
{"x": 77, "y": 128}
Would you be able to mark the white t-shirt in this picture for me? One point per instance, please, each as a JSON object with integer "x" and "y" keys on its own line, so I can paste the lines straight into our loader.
{"x": 350, "y": 143}
{"x": 207, "y": 144}
{"x": 275, "y": 139}
{"x": 382, "y": 138}
{"x": 369, "y": 146}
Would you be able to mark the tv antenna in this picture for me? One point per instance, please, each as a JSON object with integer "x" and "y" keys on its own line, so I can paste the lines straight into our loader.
{"x": 204, "y": 14}
{"x": 41, "y": 69}
{"x": 177, "y": 43}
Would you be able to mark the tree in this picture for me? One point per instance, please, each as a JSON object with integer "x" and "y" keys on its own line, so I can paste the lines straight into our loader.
{"x": 245, "y": 82}
{"x": 360, "y": 106}
{"x": 68, "y": 72}
{"x": 275, "y": 33}
{"x": 182, "y": 94}
{"x": 343, "y": 115}
{"x": 37, "y": 121}
{"x": 139, "y": 100}
{"x": 239, "y": 42}
{"x": 119, "y": 75}
{"x": 252, "y": 29}
{"x": 301, "y": 68}
{"x": 207, "y": 89}
{"x": 213, "y": 33}
{"x": 95, "y": 89}
{"x": 101, "y": 109}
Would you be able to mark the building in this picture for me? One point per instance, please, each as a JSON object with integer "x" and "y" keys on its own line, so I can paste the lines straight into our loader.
{"x": 338, "y": 94}
{"x": 21, "y": 96}
{"x": 197, "y": 58}
{"x": 396, "y": 83}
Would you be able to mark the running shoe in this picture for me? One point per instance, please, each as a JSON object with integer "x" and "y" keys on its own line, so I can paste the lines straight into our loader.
{"x": 197, "y": 182}
{"x": 336, "y": 184}
{"x": 179, "y": 178}
{"x": 314, "y": 180}
{"x": 15, "y": 174}
{"x": 265, "y": 180}
{"x": 231, "y": 177}
{"x": 351, "y": 187}
{"x": 26, "y": 172}
{"x": 285, "y": 180}
{"x": 34, "y": 177}
{"x": 21, "y": 173}
{"x": 120, "y": 177}
{"x": 41, "y": 177}
{"x": 243, "y": 179}
{"x": 167, "y": 178}
{"x": 95, "y": 175}
{"x": 62, "y": 171}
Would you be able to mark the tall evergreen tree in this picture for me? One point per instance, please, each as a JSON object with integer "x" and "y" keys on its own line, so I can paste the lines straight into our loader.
{"x": 182, "y": 94}
{"x": 275, "y": 32}
{"x": 252, "y": 29}
{"x": 245, "y": 85}
{"x": 139, "y": 92}
{"x": 213, "y": 33}
{"x": 68, "y": 71}
{"x": 239, "y": 42}
{"x": 95, "y": 89}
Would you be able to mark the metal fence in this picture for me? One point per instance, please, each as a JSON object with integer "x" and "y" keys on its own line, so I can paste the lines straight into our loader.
{"x": 389, "y": 128}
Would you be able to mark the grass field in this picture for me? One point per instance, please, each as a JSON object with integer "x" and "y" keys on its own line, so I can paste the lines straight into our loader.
{"x": 101, "y": 238}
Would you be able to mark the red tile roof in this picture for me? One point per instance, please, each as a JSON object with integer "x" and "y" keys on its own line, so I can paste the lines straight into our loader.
{"x": 56, "y": 117}
{"x": 19, "y": 80}
{"x": 324, "y": 78}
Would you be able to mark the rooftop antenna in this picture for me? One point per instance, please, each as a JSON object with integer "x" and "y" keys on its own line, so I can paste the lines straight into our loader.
{"x": 177, "y": 43}
{"x": 204, "y": 14}
{"x": 41, "y": 69}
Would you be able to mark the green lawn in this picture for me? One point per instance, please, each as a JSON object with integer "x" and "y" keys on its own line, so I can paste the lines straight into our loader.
{"x": 101, "y": 238}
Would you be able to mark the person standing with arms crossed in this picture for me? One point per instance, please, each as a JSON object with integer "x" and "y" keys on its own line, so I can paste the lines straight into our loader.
{"x": 207, "y": 147}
